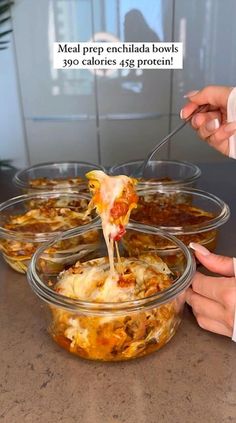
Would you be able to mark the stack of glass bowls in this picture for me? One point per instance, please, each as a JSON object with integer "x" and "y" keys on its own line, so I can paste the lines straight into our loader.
{"x": 111, "y": 331}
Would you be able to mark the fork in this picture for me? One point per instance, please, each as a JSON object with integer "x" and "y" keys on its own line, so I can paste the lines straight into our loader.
{"x": 139, "y": 171}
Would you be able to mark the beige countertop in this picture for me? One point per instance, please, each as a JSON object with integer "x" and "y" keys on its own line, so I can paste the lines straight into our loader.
{"x": 192, "y": 379}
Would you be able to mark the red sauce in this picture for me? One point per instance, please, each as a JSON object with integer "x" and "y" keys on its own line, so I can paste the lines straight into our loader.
{"x": 169, "y": 214}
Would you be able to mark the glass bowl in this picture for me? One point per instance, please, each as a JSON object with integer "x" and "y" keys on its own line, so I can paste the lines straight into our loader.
{"x": 191, "y": 215}
{"x": 161, "y": 172}
{"x": 50, "y": 176}
{"x": 31, "y": 219}
{"x": 105, "y": 322}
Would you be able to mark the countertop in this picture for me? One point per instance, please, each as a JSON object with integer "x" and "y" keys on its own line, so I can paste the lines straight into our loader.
{"x": 192, "y": 379}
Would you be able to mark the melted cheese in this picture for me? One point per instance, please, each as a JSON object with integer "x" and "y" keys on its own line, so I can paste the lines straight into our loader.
{"x": 92, "y": 280}
{"x": 45, "y": 219}
{"x": 106, "y": 190}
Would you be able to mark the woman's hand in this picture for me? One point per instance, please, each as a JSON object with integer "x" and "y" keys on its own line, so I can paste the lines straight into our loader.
{"x": 211, "y": 126}
{"x": 213, "y": 298}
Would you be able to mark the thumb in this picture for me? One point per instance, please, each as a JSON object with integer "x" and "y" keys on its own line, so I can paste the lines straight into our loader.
{"x": 213, "y": 262}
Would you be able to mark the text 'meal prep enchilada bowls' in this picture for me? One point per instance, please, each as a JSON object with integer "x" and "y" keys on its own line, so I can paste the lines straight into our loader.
{"x": 31, "y": 219}
{"x": 66, "y": 176}
{"x": 96, "y": 318}
{"x": 189, "y": 214}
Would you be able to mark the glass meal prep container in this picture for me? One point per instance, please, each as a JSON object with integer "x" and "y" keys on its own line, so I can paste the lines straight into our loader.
{"x": 98, "y": 317}
{"x": 31, "y": 219}
{"x": 161, "y": 172}
{"x": 50, "y": 176}
{"x": 191, "y": 215}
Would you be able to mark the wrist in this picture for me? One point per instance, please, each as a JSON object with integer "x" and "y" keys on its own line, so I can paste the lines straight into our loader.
{"x": 231, "y": 117}
{"x": 234, "y": 327}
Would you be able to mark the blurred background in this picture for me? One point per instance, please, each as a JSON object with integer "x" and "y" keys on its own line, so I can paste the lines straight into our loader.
{"x": 107, "y": 117}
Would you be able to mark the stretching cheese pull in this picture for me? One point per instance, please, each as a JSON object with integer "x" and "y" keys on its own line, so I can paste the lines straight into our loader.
{"x": 114, "y": 198}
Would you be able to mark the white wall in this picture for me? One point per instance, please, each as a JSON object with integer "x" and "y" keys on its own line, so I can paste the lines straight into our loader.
{"x": 12, "y": 140}
{"x": 208, "y": 31}
{"x": 59, "y": 109}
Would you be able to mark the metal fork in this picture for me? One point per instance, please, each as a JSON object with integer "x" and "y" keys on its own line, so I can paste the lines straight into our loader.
{"x": 141, "y": 168}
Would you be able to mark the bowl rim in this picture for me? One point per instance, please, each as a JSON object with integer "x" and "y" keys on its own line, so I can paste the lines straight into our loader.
{"x": 39, "y": 236}
{"x": 212, "y": 224}
{"x": 115, "y": 308}
{"x": 17, "y": 178}
{"x": 196, "y": 175}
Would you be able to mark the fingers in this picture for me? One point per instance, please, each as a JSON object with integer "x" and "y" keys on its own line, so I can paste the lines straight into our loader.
{"x": 210, "y": 287}
{"x": 207, "y": 309}
{"x": 210, "y": 128}
{"x": 214, "y": 326}
{"x": 189, "y": 108}
{"x": 216, "y": 130}
{"x": 213, "y": 95}
{"x": 213, "y": 262}
{"x": 213, "y": 299}
{"x": 219, "y": 289}
{"x": 209, "y": 121}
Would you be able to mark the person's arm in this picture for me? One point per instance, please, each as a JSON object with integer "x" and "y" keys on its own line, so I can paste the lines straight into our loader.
{"x": 213, "y": 298}
{"x": 218, "y": 125}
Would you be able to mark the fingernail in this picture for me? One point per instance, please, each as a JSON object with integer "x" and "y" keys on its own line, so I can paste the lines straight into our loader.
{"x": 231, "y": 127}
{"x": 181, "y": 114}
{"x": 199, "y": 249}
{"x": 191, "y": 93}
{"x": 212, "y": 125}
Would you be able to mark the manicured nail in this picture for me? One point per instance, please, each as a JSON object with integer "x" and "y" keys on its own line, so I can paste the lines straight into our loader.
{"x": 191, "y": 93}
{"x": 199, "y": 249}
{"x": 231, "y": 127}
{"x": 181, "y": 114}
{"x": 213, "y": 125}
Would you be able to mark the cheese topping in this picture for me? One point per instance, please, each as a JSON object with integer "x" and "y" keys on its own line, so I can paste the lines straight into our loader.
{"x": 114, "y": 198}
{"x": 91, "y": 280}
{"x": 49, "y": 216}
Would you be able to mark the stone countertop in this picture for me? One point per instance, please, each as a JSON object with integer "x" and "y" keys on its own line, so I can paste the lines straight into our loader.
{"x": 192, "y": 379}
